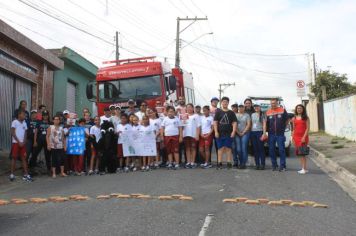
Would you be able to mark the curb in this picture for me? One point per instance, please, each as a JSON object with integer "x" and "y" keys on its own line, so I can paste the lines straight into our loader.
{"x": 344, "y": 178}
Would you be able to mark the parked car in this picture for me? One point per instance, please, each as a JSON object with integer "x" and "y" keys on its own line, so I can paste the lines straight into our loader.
{"x": 265, "y": 103}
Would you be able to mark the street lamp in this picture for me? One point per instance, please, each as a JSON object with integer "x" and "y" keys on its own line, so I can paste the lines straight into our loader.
{"x": 210, "y": 33}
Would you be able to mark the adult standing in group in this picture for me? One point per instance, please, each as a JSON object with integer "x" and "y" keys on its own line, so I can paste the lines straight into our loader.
{"x": 225, "y": 124}
{"x": 277, "y": 120}
{"x": 41, "y": 108}
{"x": 257, "y": 136}
{"x": 106, "y": 116}
{"x": 181, "y": 108}
{"x": 23, "y": 107}
{"x": 243, "y": 135}
{"x": 249, "y": 109}
{"x": 131, "y": 109}
{"x": 300, "y": 133}
{"x": 142, "y": 112}
{"x": 115, "y": 119}
{"x": 214, "y": 106}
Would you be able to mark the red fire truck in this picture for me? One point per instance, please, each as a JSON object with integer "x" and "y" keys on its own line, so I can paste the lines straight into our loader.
{"x": 140, "y": 79}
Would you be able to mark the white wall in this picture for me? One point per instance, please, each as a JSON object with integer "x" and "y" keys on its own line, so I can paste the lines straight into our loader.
{"x": 340, "y": 117}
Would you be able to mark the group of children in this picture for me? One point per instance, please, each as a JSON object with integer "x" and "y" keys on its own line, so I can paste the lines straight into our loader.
{"x": 173, "y": 135}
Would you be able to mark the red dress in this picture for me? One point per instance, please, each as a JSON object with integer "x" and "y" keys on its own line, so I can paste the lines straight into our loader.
{"x": 300, "y": 127}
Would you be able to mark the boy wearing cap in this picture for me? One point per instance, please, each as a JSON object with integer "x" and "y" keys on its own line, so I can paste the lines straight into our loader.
{"x": 225, "y": 124}
{"x": 106, "y": 116}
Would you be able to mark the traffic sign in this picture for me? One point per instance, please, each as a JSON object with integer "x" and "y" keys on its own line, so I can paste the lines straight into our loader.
{"x": 301, "y": 88}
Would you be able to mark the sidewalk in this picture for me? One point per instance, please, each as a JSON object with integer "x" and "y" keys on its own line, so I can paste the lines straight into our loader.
{"x": 337, "y": 157}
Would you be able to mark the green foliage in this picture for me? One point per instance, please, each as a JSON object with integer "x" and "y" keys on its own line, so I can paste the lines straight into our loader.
{"x": 338, "y": 146}
{"x": 336, "y": 85}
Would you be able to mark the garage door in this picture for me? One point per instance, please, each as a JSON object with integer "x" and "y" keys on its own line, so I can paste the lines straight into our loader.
{"x": 12, "y": 91}
{"x": 71, "y": 97}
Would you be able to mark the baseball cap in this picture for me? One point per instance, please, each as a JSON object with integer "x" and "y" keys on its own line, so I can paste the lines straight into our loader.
{"x": 131, "y": 101}
{"x": 214, "y": 99}
{"x": 65, "y": 112}
{"x": 234, "y": 105}
{"x": 241, "y": 105}
{"x": 34, "y": 111}
{"x": 118, "y": 107}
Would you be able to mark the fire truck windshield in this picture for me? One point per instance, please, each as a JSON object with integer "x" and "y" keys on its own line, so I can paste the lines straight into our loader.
{"x": 133, "y": 88}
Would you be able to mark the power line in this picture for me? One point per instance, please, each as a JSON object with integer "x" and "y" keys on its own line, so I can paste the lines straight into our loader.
{"x": 245, "y": 68}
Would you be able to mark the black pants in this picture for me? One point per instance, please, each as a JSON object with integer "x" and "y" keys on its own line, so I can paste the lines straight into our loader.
{"x": 41, "y": 144}
{"x": 57, "y": 158}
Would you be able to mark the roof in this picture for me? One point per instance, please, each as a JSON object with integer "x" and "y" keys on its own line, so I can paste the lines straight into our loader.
{"x": 27, "y": 44}
{"x": 70, "y": 56}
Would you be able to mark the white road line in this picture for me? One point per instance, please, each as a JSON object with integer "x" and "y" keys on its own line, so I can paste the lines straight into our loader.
{"x": 206, "y": 224}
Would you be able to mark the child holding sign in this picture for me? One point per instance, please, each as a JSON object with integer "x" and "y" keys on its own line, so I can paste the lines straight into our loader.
{"x": 148, "y": 130}
{"x": 172, "y": 132}
{"x": 95, "y": 136}
{"x": 155, "y": 122}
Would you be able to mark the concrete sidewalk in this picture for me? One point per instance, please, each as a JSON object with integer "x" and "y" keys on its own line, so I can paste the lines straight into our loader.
{"x": 337, "y": 157}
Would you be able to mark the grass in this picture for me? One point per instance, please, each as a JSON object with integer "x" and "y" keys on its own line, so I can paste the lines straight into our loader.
{"x": 338, "y": 146}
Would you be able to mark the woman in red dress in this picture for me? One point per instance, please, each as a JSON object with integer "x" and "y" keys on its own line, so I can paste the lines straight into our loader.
{"x": 300, "y": 133}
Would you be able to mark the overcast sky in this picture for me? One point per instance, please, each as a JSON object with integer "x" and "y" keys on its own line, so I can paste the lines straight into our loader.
{"x": 243, "y": 32}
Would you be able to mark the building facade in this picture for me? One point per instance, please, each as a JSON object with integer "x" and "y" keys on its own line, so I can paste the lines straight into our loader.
{"x": 69, "y": 90}
{"x": 26, "y": 73}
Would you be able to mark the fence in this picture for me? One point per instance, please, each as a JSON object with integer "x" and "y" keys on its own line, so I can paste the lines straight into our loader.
{"x": 340, "y": 117}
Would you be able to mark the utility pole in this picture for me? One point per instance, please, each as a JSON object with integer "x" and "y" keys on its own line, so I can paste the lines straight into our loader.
{"x": 222, "y": 87}
{"x": 117, "y": 54}
{"x": 195, "y": 19}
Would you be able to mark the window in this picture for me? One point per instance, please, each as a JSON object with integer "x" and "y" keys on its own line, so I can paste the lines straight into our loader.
{"x": 17, "y": 62}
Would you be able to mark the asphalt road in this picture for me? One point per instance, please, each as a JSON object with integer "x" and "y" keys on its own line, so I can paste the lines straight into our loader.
{"x": 156, "y": 217}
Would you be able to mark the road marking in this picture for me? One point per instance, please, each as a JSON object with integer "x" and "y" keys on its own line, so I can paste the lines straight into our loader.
{"x": 206, "y": 224}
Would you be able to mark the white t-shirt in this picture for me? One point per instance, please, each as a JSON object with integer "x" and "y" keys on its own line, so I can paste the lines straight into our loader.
{"x": 20, "y": 129}
{"x": 191, "y": 125}
{"x": 115, "y": 120}
{"x": 120, "y": 128}
{"x": 206, "y": 124}
{"x": 139, "y": 114}
{"x": 135, "y": 127}
{"x": 103, "y": 118}
{"x": 156, "y": 125}
{"x": 96, "y": 131}
{"x": 171, "y": 126}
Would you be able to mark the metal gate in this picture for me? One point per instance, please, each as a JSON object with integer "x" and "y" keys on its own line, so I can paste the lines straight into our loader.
{"x": 71, "y": 96}
{"x": 12, "y": 91}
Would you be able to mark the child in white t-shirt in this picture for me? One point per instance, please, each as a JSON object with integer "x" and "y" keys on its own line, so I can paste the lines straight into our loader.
{"x": 121, "y": 128}
{"x": 191, "y": 132}
{"x": 135, "y": 127}
{"x": 155, "y": 122}
{"x": 95, "y": 135}
{"x": 150, "y": 131}
{"x": 206, "y": 135}
{"x": 18, "y": 148}
{"x": 171, "y": 130}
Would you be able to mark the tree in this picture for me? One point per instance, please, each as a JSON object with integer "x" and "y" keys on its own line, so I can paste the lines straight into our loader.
{"x": 336, "y": 85}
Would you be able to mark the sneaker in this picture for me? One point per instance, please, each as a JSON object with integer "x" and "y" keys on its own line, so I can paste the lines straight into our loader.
{"x": 143, "y": 168}
{"x": 169, "y": 166}
{"x": 235, "y": 166}
{"x": 96, "y": 171}
{"x": 126, "y": 169}
{"x": 118, "y": 170}
{"x": 193, "y": 165}
{"x": 229, "y": 165}
{"x": 134, "y": 169}
{"x": 188, "y": 166}
{"x": 147, "y": 168}
{"x": 90, "y": 172}
{"x": 282, "y": 169}
{"x": 156, "y": 166}
{"x": 274, "y": 168}
{"x": 302, "y": 171}
{"x": 12, "y": 177}
{"x": 27, "y": 178}
{"x": 257, "y": 167}
{"x": 219, "y": 166}
{"x": 242, "y": 167}
{"x": 262, "y": 167}
{"x": 102, "y": 173}
{"x": 176, "y": 166}
{"x": 204, "y": 165}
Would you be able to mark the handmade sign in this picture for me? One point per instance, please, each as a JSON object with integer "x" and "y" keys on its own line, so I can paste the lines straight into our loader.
{"x": 139, "y": 143}
{"x": 76, "y": 141}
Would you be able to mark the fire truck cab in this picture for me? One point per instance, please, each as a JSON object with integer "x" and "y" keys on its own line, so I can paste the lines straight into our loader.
{"x": 140, "y": 79}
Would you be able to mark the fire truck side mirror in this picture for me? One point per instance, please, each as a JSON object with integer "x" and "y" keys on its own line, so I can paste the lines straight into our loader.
{"x": 172, "y": 83}
{"x": 91, "y": 91}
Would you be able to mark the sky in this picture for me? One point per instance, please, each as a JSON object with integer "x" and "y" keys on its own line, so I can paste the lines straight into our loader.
{"x": 261, "y": 46}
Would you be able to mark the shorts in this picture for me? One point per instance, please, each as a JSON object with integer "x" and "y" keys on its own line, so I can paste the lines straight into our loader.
{"x": 172, "y": 144}
{"x": 94, "y": 153}
{"x": 189, "y": 142}
{"x": 16, "y": 151}
{"x": 120, "y": 152}
{"x": 224, "y": 142}
{"x": 206, "y": 142}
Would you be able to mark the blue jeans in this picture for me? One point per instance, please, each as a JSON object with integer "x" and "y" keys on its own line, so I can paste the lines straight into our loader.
{"x": 241, "y": 145}
{"x": 280, "y": 139}
{"x": 258, "y": 148}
